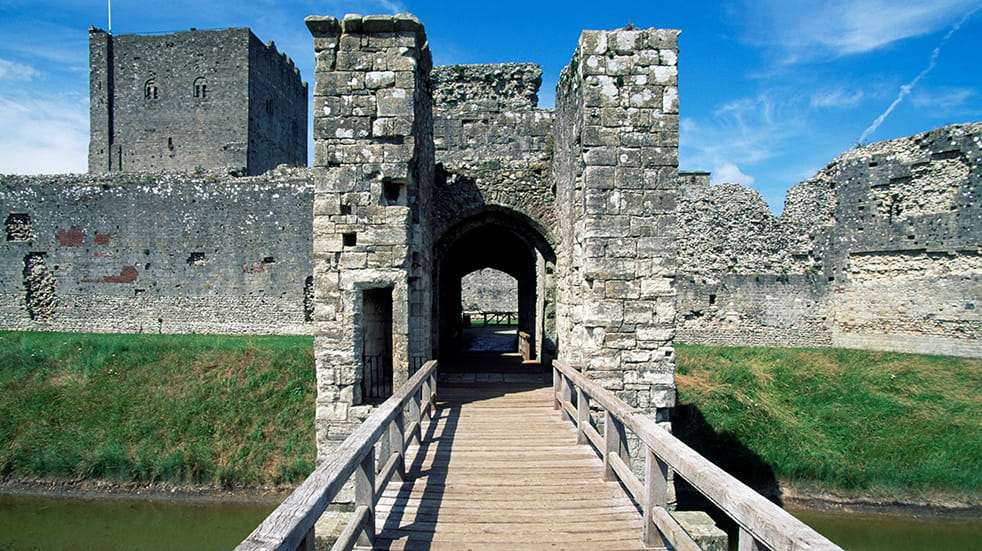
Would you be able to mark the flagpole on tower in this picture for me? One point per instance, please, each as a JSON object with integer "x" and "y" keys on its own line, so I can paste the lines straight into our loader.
{"x": 110, "y": 9}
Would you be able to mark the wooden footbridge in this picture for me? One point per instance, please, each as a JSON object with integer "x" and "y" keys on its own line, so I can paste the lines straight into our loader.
{"x": 506, "y": 464}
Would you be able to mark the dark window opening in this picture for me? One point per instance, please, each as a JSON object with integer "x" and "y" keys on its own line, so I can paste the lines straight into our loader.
{"x": 196, "y": 259}
{"x": 345, "y": 209}
{"x": 349, "y": 239}
{"x": 391, "y": 190}
{"x": 712, "y": 300}
{"x": 200, "y": 88}
{"x": 376, "y": 328}
{"x": 269, "y": 260}
{"x": 150, "y": 89}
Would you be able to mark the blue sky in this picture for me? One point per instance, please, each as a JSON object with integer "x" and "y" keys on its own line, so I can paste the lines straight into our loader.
{"x": 770, "y": 90}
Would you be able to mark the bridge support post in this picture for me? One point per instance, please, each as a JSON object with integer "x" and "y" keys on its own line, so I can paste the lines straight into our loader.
{"x": 557, "y": 382}
{"x": 365, "y": 497}
{"x": 567, "y": 389}
{"x": 582, "y": 416}
{"x": 397, "y": 444}
{"x": 615, "y": 445}
{"x": 414, "y": 417}
{"x": 748, "y": 542}
{"x": 655, "y": 495}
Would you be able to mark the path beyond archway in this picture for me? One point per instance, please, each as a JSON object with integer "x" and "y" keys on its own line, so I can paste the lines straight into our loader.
{"x": 509, "y": 242}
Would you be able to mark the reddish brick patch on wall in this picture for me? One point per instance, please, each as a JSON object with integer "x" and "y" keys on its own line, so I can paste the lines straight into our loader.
{"x": 72, "y": 237}
{"x": 102, "y": 239}
{"x": 127, "y": 275}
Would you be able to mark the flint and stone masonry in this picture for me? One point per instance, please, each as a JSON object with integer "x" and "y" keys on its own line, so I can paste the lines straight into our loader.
{"x": 882, "y": 249}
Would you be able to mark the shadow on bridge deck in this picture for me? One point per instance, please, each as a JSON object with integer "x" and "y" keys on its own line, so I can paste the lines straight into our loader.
{"x": 498, "y": 468}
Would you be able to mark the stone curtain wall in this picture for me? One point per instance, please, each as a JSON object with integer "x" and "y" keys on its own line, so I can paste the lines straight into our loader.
{"x": 906, "y": 242}
{"x": 373, "y": 173}
{"x": 745, "y": 276}
{"x": 879, "y": 250}
{"x": 493, "y": 144}
{"x": 207, "y": 99}
{"x": 156, "y": 253}
{"x": 615, "y": 172}
{"x": 489, "y": 290}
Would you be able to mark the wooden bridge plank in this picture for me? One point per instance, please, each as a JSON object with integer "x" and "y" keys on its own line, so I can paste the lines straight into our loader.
{"x": 497, "y": 468}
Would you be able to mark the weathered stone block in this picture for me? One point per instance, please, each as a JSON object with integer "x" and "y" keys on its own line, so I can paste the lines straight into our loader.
{"x": 390, "y": 127}
{"x": 625, "y": 42}
{"x": 594, "y": 42}
{"x": 599, "y": 136}
{"x": 342, "y": 127}
{"x": 395, "y": 102}
{"x": 380, "y": 79}
{"x": 599, "y": 177}
{"x": 601, "y": 156}
{"x": 352, "y": 60}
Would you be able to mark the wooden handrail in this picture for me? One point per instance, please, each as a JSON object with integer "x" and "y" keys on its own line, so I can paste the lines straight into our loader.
{"x": 290, "y": 526}
{"x": 761, "y": 522}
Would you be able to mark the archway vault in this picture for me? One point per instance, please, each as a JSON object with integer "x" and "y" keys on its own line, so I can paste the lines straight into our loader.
{"x": 505, "y": 240}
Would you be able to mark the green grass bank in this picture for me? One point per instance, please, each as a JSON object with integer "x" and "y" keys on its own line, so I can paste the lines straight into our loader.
{"x": 876, "y": 424}
{"x": 217, "y": 410}
{"x": 238, "y": 412}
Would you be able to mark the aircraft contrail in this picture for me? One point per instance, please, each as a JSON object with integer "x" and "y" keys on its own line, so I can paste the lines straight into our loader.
{"x": 906, "y": 88}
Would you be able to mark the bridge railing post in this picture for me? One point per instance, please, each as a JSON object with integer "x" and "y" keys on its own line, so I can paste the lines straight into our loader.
{"x": 567, "y": 392}
{"x": 397, "y": 444}
{"x": 365, "y": 498}
{"x": 582, "y": 416}
{"x": 426, "y": 398}
{"x": 414, "y": 416}
{"x": 747, "y": 542}
{"x": 615, "y": 444}
{"x": 307, "y": 544}
{"x": 655, "y": 495}
{"x": 556, "y": 385}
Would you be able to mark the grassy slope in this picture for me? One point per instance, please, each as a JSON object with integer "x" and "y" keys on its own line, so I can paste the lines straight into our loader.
{"x": 239, "y": 411}
{"x": 891, "y": 425}
{"x": 177, "y": 408}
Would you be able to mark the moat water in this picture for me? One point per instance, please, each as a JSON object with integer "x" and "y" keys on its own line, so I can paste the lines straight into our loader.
{"x": 73, "y": 524}
{"x": 63, "y": 524}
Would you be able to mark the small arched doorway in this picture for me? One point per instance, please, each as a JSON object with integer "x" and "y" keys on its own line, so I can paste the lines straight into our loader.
{"x": 509, "y": 242}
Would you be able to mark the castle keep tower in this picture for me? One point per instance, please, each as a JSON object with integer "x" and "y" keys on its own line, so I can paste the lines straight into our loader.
{"x": 194, "y": 99}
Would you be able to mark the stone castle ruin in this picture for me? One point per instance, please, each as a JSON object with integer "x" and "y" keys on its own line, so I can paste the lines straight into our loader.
{"x": 423, "y": 175}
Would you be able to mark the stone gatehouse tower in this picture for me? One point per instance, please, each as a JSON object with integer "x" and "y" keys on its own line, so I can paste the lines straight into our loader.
{"x": 194, "y": 100}
{"x": 423, "y": 175}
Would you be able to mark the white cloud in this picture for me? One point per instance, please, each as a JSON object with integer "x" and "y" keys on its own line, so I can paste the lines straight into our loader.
{"x": 11, "y": 70}
{"x": 44, "y": 136}
{"x": 730, "y": 173}
{"x": 946, "y": 99}
{"x": 740, "y": 132}
{"x": 835, "y": 98}
{"x": 906, "y": 88}
{"x": 810, "y": 29}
